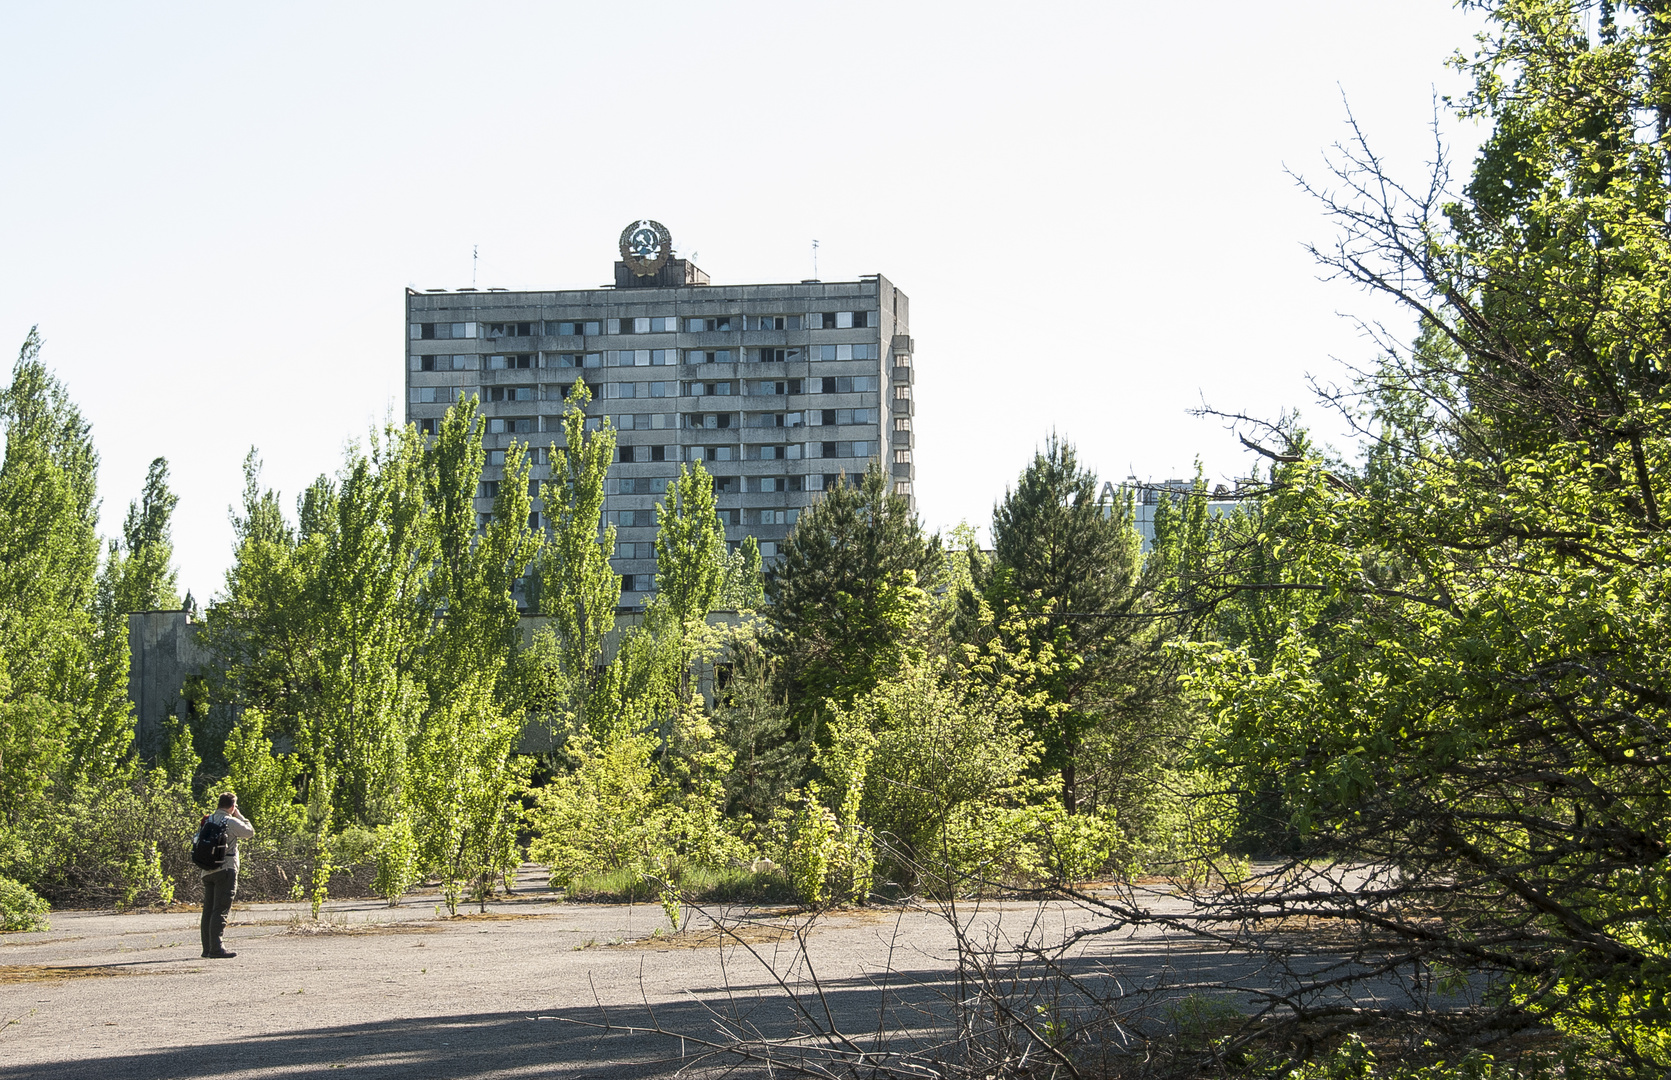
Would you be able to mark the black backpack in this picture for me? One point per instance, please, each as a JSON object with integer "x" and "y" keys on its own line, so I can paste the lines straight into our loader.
{"x": 208, "y": 850}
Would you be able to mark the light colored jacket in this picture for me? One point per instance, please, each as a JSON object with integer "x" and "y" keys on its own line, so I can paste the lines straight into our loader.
{"x": 236, "y": 829}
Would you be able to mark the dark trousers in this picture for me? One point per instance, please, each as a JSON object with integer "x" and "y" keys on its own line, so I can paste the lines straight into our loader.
{"x": 219, "y": 888}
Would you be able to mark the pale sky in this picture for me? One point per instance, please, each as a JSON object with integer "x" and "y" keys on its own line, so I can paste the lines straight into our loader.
{"x": 211, "y": 210}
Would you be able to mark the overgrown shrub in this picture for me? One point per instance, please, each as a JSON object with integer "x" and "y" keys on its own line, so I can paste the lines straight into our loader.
{"x": 265, "y": 781}
{"x": 397, "y": 859}
{"x": 125, "y": 845}
{"x": 946, "y": 770}
{"x": 20, "y": 908}
{"x": 617, "y": 812}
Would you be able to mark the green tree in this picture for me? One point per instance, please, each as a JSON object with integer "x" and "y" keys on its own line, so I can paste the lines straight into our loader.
{"x": 1075, "y": 561}
{"x": 839, "y": 605}
{"x": 264, "y": 779}
{"x": 1469, "y": 686}
{"x": 139, "y": 574}
{"x": 49, "y": 553}
{"x": 78, "y": 818}
{"x": 691, "y": 559}
{"x": 752, "y": 717}
{"x": 364, "y": 586}
{"x": 574, "y": 584}
{"x": 744, "y": 587}
{"x": 464, "y": 787}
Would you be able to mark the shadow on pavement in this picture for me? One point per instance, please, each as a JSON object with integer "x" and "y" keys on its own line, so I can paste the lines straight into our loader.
{"x": 912, "y": 1006}
{"x": 460, "y": 1047}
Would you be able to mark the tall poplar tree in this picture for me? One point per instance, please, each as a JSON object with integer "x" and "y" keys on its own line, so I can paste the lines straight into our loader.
{"x": 574, "y": 583}
{"x": 139, "y": 572}
{"x": 49, "y": 555}
{"x": 461, "y": 790}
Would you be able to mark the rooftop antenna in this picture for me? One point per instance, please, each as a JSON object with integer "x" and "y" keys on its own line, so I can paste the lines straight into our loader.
{"x": 473, "y": 250}
{"x": 815, "y": 260}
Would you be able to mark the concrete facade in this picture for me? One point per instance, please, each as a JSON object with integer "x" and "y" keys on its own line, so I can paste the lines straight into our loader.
{"x": 777, "y": 389}
{"x": 164, "y": 650}
{"x": 1147, "y": 494}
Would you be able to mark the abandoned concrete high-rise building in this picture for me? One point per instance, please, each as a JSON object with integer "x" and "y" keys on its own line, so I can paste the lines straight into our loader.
{"x": 777, "y": 389}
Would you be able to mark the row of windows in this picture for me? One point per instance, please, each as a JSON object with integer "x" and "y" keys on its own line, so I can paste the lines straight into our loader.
{"x": 527, "y": 425}
{"x": 723, "y": 485}
{"x": 655, "y": 324}
{"x": 810, "y": 418}
{"x": 828, "y": 384}
{"x": 832, "y": 384}
{"x": 838, "y": 448}
{"x": 643, "y": 358}
{"x": 669, "y": 357}
{"x": 727, "y": 421}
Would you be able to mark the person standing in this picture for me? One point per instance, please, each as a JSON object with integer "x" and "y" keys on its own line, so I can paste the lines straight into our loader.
{"x": 221, "y": 884}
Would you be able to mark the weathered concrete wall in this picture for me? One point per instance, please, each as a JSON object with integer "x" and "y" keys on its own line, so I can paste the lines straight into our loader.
{"x": 164, "y": 651}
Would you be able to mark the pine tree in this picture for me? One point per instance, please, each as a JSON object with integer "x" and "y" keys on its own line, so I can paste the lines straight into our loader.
{"x": 837, "y": 594}
{"x": 1061, "y": 554}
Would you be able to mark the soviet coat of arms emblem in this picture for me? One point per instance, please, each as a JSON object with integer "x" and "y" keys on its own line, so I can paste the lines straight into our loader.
{"x": 646, "y": 246}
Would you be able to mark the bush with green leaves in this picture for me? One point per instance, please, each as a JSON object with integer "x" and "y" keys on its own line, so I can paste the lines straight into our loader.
{"x": 829, "y": 858}
{"x": 944, "y": 756}
{"x": 264, "y": 780}
{"x": 618, "y": 812}
{"x": 397, "y": 859}
{"x": 20, "y": 908}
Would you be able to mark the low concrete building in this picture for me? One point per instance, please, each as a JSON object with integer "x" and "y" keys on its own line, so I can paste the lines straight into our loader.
{"x": 164, "y": 651}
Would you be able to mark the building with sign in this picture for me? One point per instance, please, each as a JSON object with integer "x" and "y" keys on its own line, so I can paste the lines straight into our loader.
{"x": 779, "y": 390}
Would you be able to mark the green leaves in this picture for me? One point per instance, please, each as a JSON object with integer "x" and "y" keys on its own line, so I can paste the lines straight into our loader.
{"x": 377, "y": 636}
{"x": 574, "y": 584}
{"x": 842, "y": 593}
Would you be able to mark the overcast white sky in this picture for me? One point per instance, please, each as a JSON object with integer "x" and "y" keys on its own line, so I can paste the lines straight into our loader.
{"x": 211, "y": 210}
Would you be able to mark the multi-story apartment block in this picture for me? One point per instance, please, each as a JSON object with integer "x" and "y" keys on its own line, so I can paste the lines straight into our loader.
{"x": 778, "y": 390}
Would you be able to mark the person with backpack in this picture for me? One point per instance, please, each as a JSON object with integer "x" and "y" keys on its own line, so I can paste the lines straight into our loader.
{"x": 215, "y": 851}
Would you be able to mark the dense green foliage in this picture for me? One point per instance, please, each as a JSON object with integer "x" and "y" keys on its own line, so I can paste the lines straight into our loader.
{"x": 79, "y": 817}
{"x": 838, "y": 608}
{"x": 1114, "y": 731}
{"x": 1450, "y": 664}
{"x": 20, "y": 908}
{"x": 375, "y": 639}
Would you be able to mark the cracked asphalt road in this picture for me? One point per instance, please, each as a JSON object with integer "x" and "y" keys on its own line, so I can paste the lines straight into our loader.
{"x": 535, "y": 988}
